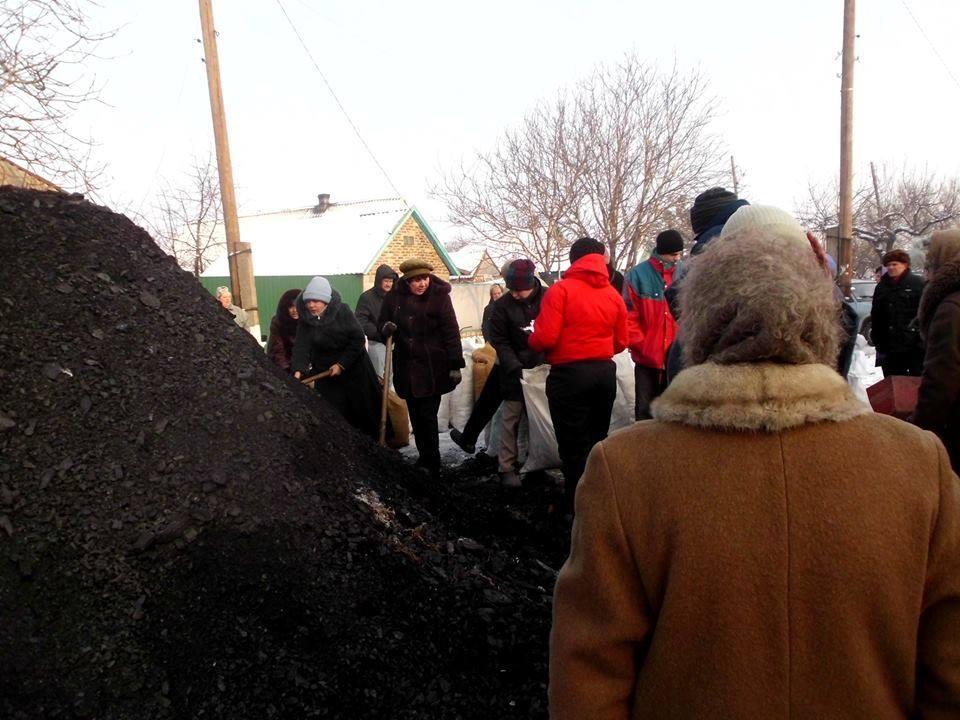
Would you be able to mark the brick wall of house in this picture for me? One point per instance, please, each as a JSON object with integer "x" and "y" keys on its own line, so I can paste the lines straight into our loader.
{"x": 410, "y": 241}
{"x": 13, "y": 174}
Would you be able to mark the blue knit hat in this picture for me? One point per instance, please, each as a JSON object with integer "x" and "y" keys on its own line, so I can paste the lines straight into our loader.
{"x": 318, "y": 289}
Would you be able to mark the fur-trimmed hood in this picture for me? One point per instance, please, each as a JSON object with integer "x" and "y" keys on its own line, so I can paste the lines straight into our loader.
{"x": 768, "y": 397}
{"x": 946, "y": 281}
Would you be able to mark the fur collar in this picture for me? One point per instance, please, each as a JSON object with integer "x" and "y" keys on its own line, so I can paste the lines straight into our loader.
{"x": 946, "y": 282}
{"x": 757, "y": 396}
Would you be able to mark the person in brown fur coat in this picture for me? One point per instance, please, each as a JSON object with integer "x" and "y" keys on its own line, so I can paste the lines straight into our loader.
{"x": 766, "y": 546}
{"x": 938, "y": 401}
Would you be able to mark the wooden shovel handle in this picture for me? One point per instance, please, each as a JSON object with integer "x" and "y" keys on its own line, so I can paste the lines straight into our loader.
{"x": 318, "y": 376}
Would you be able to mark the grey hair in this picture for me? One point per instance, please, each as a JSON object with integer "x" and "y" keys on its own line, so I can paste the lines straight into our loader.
{"x": 224, "y": 290}
{"x": 758, "y": 297}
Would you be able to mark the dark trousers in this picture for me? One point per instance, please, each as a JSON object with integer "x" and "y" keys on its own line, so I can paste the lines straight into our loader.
{"x": 650, "y": 383}
{"x": 903, "y": 363}
{"x": 486, "y": 406}
{"x": 580, "y": 395}
{"x": 423, "y": 417}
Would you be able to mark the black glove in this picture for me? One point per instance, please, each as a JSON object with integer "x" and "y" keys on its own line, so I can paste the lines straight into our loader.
{"x": 456, "y": 376}
{"x": 388, "y": 329}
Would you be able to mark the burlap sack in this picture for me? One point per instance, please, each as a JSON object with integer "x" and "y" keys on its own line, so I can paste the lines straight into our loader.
{"x": 483, "y": 360}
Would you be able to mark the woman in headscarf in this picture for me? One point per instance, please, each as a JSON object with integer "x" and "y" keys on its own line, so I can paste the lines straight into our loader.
{"x": 765, "y": 546}
{"x": 427, "y": 354}
{"x": 938, "y": 401}
{"x": 283, "y": 330}
{"x": 329, "y": 338}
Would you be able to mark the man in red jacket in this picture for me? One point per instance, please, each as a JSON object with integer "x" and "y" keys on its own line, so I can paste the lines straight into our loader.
{"x": 582, "y": 324}
{"x": 649, "y": 322}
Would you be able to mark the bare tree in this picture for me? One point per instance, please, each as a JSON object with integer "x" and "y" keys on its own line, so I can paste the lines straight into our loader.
{"x": 618, "y": 157}
{"x": 892, "y": 209}
{"x": 45, "y": 49}
{"x": 517, "y": 197}
{"x": 188, "y": 217}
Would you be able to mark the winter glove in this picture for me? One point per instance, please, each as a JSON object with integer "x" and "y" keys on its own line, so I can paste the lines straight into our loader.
{"x": 388, "y": 329}
{"x": 456, "y": 376}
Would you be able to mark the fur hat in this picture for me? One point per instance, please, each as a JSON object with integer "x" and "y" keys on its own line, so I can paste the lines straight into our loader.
{"x": 944, "y": 248}
{"x": 776, "y": 306}
{"x": 318, "y": 289}
{"x": 772, "y": 222}
{"x": 669, "y": 242}
{"x": 896, "y": 255}
{"x": 707, "y": 206}
{"x": 414, "y": 268}
{"x": 585, "y": 246}
{"x": 520, "y": 275}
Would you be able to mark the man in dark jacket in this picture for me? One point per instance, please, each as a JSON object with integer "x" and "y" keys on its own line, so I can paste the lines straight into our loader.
{"x": 893, "y": 315}
{"x": 709, "y": 213}
{"x": 582, "y": 324}
{"x": 368, "y": 313}
{"x": 511, "y": 323}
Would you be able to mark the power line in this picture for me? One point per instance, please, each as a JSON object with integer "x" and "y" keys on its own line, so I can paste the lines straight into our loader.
{"x": 930, "y": 43}
{"x": 337, "y": 100}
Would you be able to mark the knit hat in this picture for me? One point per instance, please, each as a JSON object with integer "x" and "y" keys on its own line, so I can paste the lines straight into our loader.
{"x": 771, "y": 222}
{"x": 669, "y": 242}
{"x": 707, "y": 205}
{"x": 585, "y": 246}
{"x": 900, "y": 256}
{"x": 318, "y": 289}
{"x": 520, "y": 275}
{"x": 413, "y": 268}
{"x": 781, "y": 309}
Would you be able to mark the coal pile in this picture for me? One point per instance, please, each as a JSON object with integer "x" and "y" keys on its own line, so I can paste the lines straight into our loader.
{"x": 185, "y": 532}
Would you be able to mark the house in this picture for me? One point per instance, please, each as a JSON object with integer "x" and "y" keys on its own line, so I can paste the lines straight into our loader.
{"x": 344, "y": 242}
{"x": 13, "y": 174}
{"x": 475, "y": 263}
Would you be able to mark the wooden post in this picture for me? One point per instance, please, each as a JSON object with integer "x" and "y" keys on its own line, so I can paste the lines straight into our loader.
{"x": 239, "y": 255}
{"x": 733, "y": 172}
{"x": 846, "y": 145}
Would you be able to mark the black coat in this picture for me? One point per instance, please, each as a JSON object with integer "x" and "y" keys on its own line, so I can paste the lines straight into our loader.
{"x": 370, "y": 302}
{"x": 508, "y": 337}
{"x": 485, "y": 320}
{"x": 427, "y": 341}
{"x": 336, "y": 338}
{"x": 894, "y": 310}
{"x": 938, "y": 401}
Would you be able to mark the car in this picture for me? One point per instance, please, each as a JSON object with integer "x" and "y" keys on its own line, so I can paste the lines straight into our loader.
{"x": 861, "y": 300}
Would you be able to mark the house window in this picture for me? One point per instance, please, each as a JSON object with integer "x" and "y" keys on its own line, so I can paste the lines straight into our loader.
{"x": 408, "y": 240}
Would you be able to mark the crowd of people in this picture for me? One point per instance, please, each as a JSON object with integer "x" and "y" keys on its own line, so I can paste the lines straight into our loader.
{"x": 739, "y": 551}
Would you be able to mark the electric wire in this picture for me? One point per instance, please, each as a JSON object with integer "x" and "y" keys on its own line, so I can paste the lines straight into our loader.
{"x": 336, "y": 99}
{"x": 930, "y": 43}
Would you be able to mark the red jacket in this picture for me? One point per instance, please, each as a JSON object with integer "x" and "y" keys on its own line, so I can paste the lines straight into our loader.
{"x": 650, "y": 323}
{"x": 582, "y": 317}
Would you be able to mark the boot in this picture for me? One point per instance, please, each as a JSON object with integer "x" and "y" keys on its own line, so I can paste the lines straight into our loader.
{"x": 461, "y": 442}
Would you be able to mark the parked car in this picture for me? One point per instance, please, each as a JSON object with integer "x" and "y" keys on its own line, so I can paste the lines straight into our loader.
{"x": 861, "y": 299}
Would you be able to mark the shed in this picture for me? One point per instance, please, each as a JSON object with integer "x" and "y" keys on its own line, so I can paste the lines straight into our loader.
{"x": 344, "y": 242}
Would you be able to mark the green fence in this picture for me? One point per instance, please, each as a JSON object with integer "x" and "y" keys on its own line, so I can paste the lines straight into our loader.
{"x": 269, "y": 290}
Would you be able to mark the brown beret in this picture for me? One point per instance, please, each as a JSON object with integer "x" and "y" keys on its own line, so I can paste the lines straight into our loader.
{"x": 412, "y": 268}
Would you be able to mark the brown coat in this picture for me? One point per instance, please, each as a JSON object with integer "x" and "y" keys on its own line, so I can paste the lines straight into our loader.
{"x": 765, "y": 548}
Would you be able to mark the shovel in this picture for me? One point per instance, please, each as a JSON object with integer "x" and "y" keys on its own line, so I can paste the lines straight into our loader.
{"x": 318, "y": 376}
{"x": 387, "y": 366}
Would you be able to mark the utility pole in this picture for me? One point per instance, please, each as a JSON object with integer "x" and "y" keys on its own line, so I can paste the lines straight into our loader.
{"x": 238, "y": 253}
{"x": 733, "y": 172}
{"x": 846, "y": 144}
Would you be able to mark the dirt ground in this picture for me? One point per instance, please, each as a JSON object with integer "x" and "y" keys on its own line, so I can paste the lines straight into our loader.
{"x": 186, "y": 533}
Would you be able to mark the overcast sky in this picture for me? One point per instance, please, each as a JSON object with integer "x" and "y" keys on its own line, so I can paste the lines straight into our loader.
{"x": 429, "y": 82}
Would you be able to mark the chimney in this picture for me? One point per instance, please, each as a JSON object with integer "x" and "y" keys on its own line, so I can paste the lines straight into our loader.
{"x": 323, "y": 203}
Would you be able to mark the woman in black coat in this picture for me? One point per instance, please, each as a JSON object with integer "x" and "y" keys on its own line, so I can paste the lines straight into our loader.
{"x": 330, "y": 338}
{"x": 938, "y": 401}
{"x": 283, "y": 330}
{"x": 496, "y": 292}
{"x": 427, "y": 354}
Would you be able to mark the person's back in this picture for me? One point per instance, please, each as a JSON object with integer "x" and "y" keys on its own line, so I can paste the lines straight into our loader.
{"x": 766, "y": 547}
